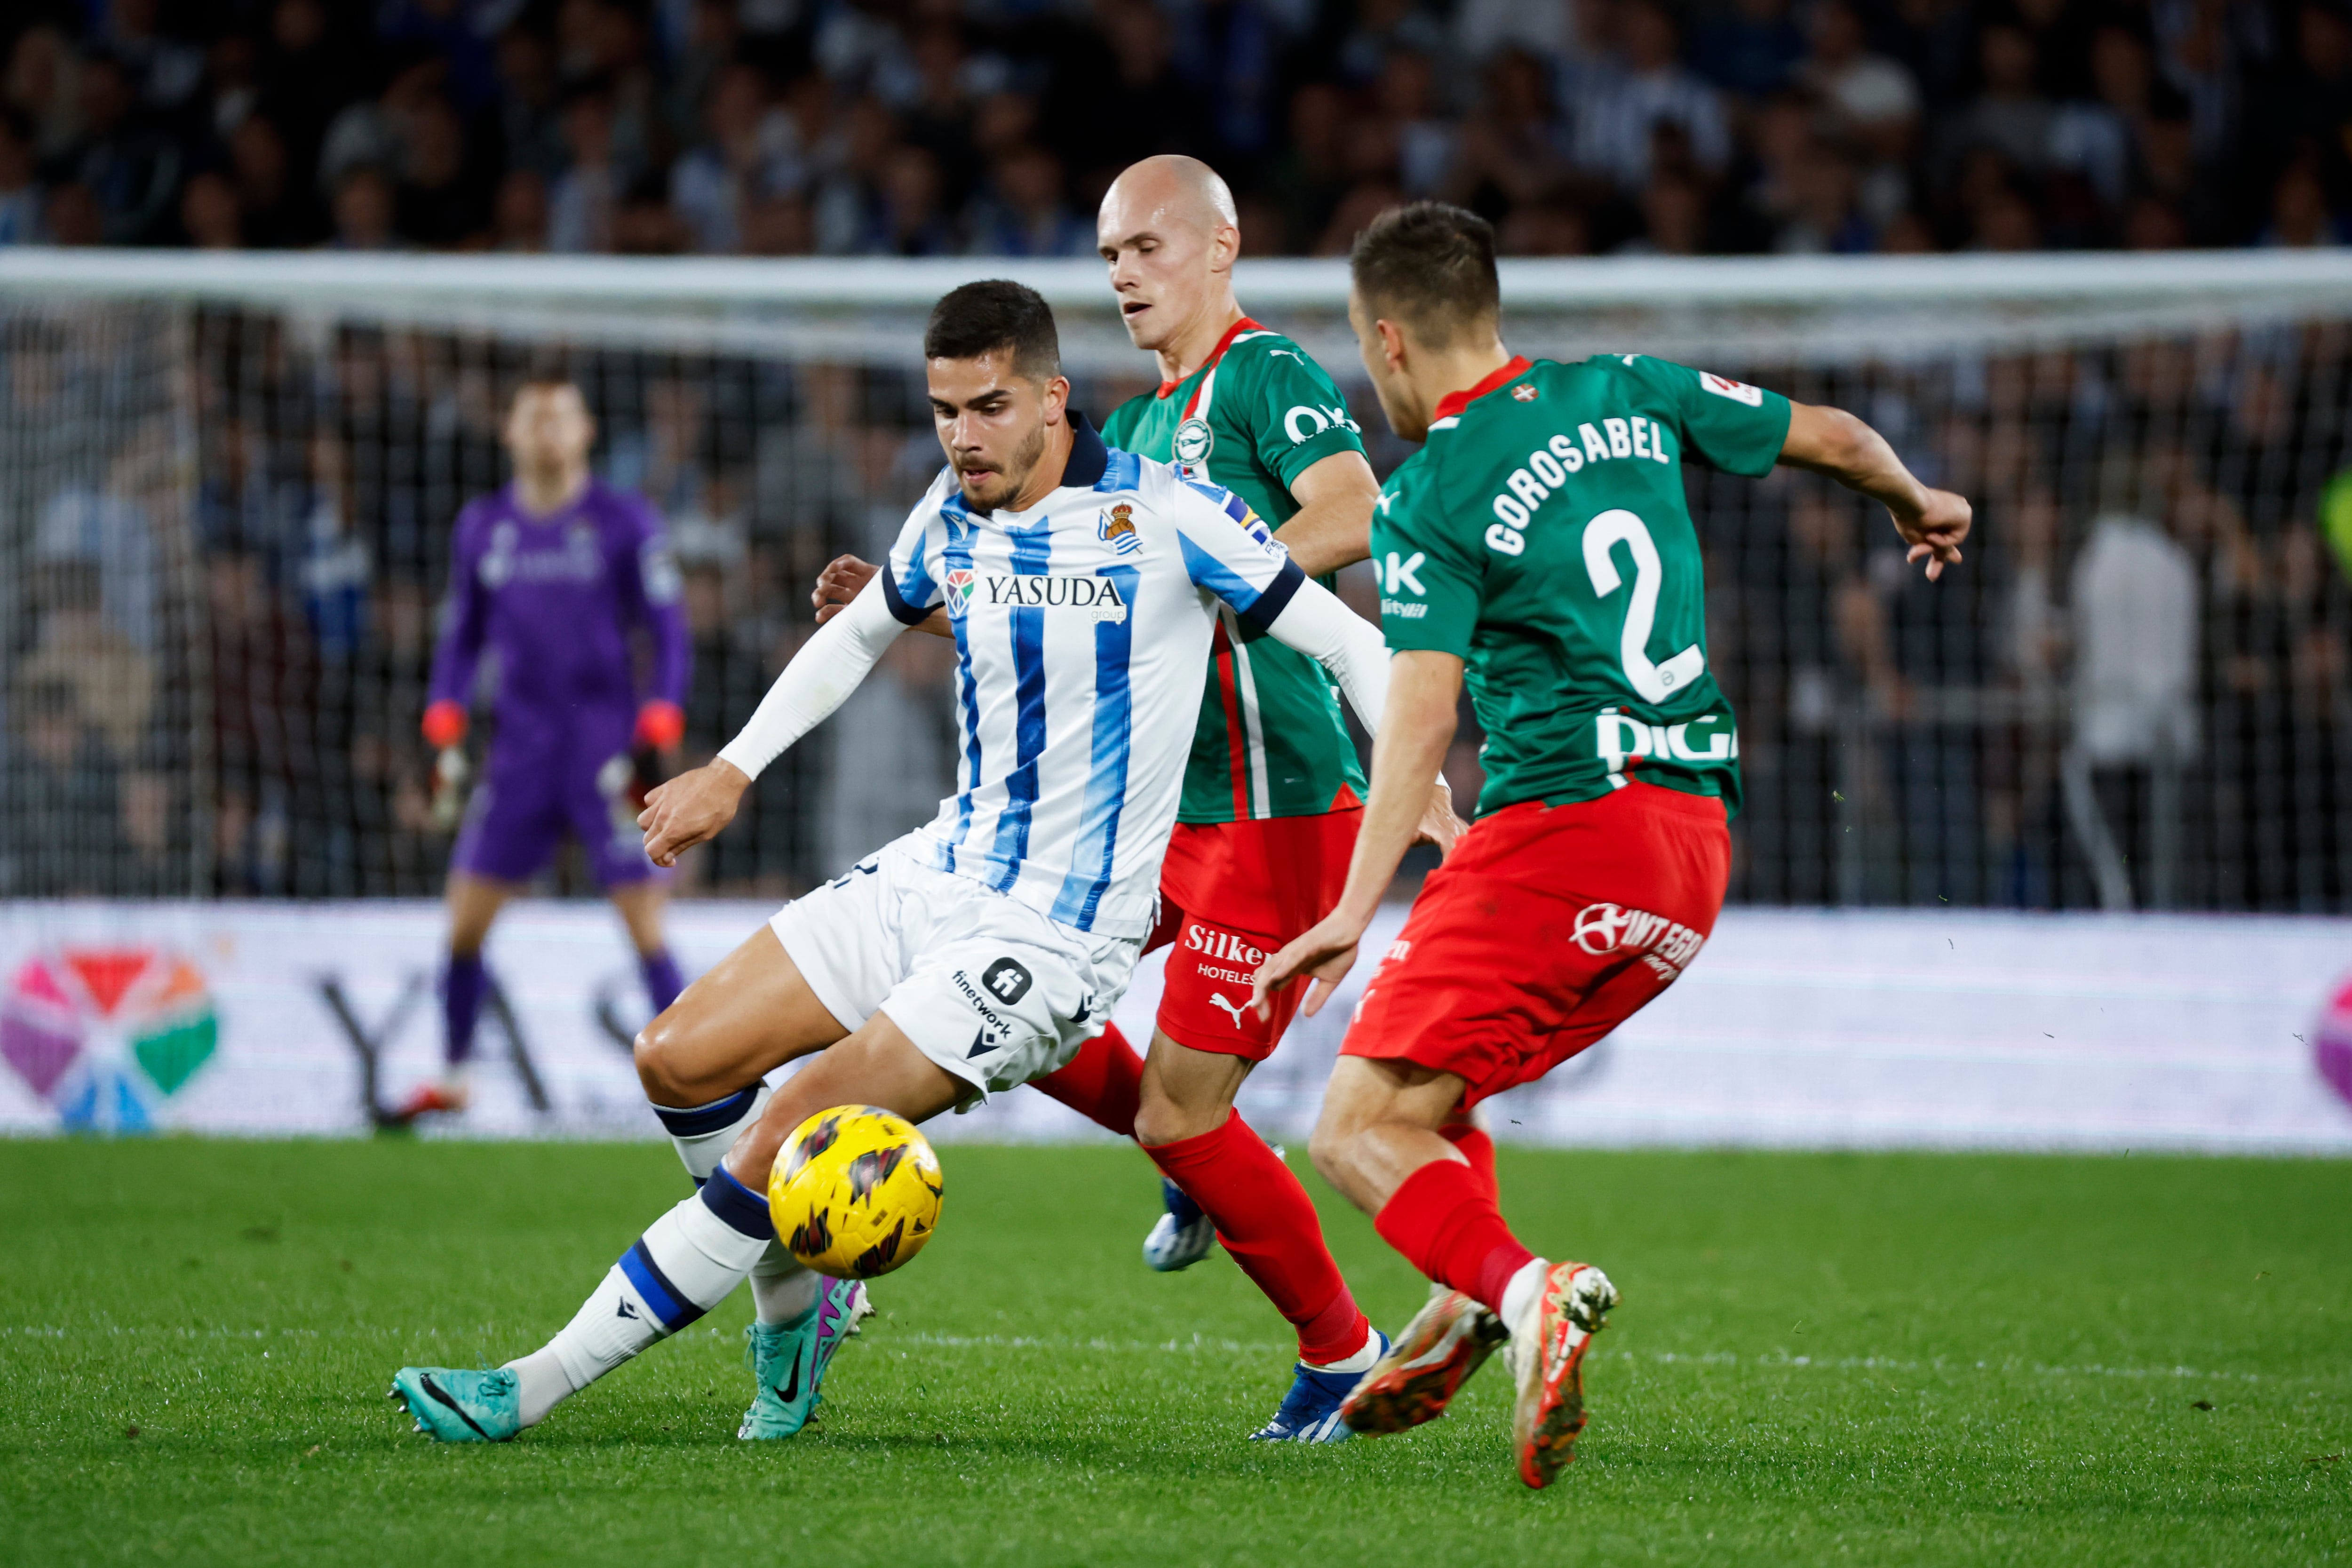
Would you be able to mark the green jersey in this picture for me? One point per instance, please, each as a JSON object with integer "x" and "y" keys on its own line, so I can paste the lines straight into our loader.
{"x": 1542, "y": 537}
{"x": 1270, "y": 741}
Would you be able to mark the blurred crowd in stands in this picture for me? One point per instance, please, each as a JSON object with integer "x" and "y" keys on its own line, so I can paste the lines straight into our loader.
{"x": 990, "y": 127}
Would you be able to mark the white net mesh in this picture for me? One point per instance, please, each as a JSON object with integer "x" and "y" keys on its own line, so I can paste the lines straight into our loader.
{"x": 229, "y": 482}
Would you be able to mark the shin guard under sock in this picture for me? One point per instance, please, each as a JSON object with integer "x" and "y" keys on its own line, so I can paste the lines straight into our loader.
{"x": 1103, "y": 1083}
{"x": 1268, "y": 1224}
{"x": 1443, "y": 1221}
{"x": 703, "y": 1133}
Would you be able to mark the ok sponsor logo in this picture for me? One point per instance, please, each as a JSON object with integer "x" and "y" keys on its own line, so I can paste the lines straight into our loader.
{"x": 1666, "y": 946}
{"x": 1308, "y": 420}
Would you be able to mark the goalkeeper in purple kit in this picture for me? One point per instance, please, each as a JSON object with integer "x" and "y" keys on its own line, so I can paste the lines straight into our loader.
{"x": 554, "y": 576}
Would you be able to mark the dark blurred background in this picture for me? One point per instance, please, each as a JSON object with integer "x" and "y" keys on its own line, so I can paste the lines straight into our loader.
{"x": 225, "y": 526}
{"x": 990, "y": 127}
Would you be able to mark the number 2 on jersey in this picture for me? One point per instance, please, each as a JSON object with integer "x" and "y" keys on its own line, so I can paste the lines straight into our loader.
{"x": 1654, "y": 682}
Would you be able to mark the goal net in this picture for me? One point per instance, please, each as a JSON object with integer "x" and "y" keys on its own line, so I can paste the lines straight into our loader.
{"x": 228, "y": 485}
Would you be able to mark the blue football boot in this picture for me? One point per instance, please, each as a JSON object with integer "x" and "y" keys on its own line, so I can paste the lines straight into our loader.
{"x": 1182, "y": 1236}
{"x": 456, "y": 1406}
{"x": 1310, "y": 1411}
{"x": 789, "y": 1359}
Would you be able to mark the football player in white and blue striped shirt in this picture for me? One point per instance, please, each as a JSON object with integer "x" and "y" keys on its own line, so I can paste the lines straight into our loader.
{"x": 981, "y": 950}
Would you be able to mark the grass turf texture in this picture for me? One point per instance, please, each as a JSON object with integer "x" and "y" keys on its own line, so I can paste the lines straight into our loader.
{"x": 1881, "y": 1359}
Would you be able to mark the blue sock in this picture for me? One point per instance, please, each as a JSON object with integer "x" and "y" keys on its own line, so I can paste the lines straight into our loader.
{"x": 663, "y": 982}
{"x": 462, "y": 985}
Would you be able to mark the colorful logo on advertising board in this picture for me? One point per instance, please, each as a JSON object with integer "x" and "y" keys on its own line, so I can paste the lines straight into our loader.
{"x": 2331, "y": 1045}
{"x": 107, "y": 1034}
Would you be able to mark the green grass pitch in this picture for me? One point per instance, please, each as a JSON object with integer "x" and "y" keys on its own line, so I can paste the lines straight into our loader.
{"x": 1867, "y": 1359}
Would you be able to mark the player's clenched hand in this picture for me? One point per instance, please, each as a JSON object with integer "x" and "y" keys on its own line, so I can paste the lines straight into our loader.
{"x": 844, "y": 578}
{"x": 690, "y": 808}
{"x": 1934, "y": 530}
{"x": 841, "y": 580}
{"x": 1438, "y": 824}
{"x": 1326, "y": 953}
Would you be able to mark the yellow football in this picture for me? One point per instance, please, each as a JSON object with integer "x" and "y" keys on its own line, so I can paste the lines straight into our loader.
{"x": 854, "y": 1192}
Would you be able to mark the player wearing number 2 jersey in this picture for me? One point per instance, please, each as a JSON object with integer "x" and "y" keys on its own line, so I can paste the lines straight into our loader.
{"x": 1540, "y": 544}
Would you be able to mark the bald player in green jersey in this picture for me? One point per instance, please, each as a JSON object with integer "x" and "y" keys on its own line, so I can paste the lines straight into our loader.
{"x": 1540, "y": 542}
{"x": 1273, "y": 791}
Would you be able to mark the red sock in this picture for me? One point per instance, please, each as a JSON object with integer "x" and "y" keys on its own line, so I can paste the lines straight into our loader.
{"x": 1103, "y": 1083}
{"x": 1479, "y": 1150}
{"x": 1445, "y": 1225}
{"x": 1269, "y": 1226}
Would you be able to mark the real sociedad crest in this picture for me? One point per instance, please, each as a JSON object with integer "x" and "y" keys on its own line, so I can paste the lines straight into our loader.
{"x": 1194, "y": 441}
{"x": 1117, "y": 529}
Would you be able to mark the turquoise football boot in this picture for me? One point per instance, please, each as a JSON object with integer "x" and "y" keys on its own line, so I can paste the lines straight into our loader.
{"x": 789, "y": 1359}
{"x": 461, "y": 1407}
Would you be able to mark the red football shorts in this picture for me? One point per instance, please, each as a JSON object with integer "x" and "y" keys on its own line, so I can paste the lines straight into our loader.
{"x": 1231, "y": 895}
{"x": 1547, "y": 927}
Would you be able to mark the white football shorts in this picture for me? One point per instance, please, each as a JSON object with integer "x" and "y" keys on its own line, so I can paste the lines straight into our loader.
{"x": 990, "y": 989}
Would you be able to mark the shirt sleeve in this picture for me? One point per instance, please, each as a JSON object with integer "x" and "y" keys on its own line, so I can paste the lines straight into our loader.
{"x": 1727, "y": 424}
{"x": 912, "y": 584}
{"x": 655, "y": 589}
{"x": 1429, "y": 581}
{"x": 464, "y": 617}
{"x": 1230, "y": 551}
{"x": 1297, "y": 417}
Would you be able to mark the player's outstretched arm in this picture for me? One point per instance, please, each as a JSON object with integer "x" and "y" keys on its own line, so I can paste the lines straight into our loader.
{"x": 695, "y": 806}
{"x": 1418, "y": 727}
{"x": 845, "y": 577}
{"x": 1318, "y": 624}
{"x": 1831, "y": 441}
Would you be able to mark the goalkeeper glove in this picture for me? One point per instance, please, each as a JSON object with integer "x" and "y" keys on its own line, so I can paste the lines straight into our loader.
{"x": 660, "y": 725}
{"x": 445, "y": 724}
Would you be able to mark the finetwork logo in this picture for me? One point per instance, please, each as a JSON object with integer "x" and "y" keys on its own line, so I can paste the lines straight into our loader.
{"x": 107, "y": 1034}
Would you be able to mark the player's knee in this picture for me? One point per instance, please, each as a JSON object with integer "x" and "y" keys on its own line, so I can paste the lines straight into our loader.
{"x": 658, "y": 1054}
{"x": 1160, "y": 1120}
{"x": 1328, "y": 1146}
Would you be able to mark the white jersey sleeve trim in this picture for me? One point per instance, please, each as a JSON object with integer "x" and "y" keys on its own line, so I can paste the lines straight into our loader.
{"x": 819, "y": 679}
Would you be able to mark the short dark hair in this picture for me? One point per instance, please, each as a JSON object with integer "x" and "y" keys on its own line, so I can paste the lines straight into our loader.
{"x": 1430, "y": 266}
{"x": 978, "y": 318}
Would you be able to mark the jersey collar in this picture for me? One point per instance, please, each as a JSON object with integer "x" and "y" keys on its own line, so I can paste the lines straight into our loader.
{"x": 1453, "y": 403}
{"x": 1168, "y": 388}
{"x": 1089, "y": 458}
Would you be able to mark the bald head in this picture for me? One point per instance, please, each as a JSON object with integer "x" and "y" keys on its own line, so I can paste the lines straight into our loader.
{"x": 1169, "y": 234}
{"x": 1174, "y": 188}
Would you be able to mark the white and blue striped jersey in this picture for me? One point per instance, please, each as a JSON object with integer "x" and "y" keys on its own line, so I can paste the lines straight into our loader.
{"x": 1082, "y": 633}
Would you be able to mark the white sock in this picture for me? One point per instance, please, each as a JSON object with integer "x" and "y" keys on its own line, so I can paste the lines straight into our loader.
{"x": 544, "y": 1382}
{"x": 1522, "y": 1291}
{"x": 783, "y": 1286}
{"x": 703, "y": 1133}
{"x": 687, "y": 1262}
{"x": 1366, "y": 1353}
